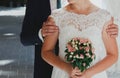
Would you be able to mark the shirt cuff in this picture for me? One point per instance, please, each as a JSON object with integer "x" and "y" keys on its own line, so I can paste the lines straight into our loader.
{"x": 40, "y": 35}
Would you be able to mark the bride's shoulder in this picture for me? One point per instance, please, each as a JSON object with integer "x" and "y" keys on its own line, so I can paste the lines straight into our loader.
{"x": 104, "y": 12}
{"x": 57, "y": 11}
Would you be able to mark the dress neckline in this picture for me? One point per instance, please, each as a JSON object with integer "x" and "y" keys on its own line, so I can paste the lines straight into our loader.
{"x": 99, "y": 9}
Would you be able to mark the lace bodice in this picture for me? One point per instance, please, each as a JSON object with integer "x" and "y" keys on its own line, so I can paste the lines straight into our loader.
{"x": 79, "y": 25}
{"x": 80, "y": 21}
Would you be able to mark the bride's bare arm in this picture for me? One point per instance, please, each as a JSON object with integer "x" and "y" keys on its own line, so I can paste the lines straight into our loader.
{"x": 48, "y": 53}
{"x": 111, "y": 51}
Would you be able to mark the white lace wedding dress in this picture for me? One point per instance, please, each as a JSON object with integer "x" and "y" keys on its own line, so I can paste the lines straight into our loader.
{"x": 79, "y": 25}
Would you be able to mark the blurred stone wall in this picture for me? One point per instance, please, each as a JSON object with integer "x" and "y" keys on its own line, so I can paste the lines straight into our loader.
{"x": 12, "y": 3}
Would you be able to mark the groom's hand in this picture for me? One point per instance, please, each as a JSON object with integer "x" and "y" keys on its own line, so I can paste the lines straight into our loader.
{"x": 49, "y": 27}
{"x": 112, "y": 29}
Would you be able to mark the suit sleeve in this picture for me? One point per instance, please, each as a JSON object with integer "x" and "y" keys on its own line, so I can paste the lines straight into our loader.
{"x": 36, "y": 13}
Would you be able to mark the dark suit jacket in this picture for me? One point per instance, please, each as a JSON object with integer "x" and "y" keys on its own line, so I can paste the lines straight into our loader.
{"x": 37, "y": 12}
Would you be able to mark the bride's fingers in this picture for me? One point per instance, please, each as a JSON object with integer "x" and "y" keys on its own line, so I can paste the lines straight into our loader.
{"x": 76, "y": 68}
{"x": 76, "y": 71}
{"x": 77, "y": 76}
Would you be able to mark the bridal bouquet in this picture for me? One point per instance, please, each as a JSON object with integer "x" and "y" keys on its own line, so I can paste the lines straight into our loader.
{"x": 79, "y": 53}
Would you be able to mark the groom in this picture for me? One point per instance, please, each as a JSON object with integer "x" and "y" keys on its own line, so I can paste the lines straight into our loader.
{"x": 36, "y": 13}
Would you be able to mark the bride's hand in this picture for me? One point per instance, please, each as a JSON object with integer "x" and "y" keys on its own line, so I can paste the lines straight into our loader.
{"x": 85, "y": 74}
{"x": 76, "y": 72}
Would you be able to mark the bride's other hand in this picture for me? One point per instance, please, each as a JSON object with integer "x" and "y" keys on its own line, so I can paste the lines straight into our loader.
{"x": 85, "y": 74}
{"x": 112, "y": 29}
{"x": 76, "y": 72}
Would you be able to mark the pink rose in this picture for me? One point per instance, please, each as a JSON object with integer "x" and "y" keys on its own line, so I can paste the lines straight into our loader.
{"x": 87, "y": 49}
{"x": 80, "y": 48}
{"x": 81, "y": 56}
{"x": 70, "y": 48}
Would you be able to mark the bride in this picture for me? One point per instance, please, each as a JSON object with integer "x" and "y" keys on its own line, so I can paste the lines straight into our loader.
{"x": 80, "y": 18}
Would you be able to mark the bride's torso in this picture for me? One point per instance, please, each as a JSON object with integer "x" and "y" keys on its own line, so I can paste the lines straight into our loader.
{"x": 79, "y": 25}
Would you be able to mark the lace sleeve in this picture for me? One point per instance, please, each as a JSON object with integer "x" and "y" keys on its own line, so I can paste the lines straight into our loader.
{"x": 106, "y": 16}
{"x": 56, "y": 16}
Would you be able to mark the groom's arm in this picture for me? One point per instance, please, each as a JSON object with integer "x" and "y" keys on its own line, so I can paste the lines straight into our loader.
{"x": 36, "y": 13}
